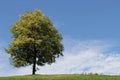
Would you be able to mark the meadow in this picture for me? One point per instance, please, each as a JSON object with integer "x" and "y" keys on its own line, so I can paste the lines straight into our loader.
{"x": 62, "y": 77}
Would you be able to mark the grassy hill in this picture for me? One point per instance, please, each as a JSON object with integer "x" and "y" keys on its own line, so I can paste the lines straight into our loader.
{"x": 62, "y": 77}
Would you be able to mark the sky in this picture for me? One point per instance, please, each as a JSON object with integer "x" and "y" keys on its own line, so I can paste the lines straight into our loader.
{"x": 90, "y": 30}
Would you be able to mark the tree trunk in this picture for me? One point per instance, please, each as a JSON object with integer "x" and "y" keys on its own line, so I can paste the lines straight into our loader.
{"x": 34, "y": 65}
{"x": 35, "y": 54}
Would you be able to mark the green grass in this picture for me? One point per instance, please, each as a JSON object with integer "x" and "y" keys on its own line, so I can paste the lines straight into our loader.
{"x": 62, "y": 77}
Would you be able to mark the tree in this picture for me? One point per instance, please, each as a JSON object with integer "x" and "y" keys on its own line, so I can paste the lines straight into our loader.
{"x": 35, "y": 41}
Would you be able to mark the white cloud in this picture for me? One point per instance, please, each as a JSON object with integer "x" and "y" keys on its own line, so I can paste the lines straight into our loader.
{"x": 86, "y": 57}
{"x": 79, "y": 57}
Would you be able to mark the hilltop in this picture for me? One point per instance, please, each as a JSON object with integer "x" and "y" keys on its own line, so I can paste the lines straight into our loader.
{"x": 62, "y": 77}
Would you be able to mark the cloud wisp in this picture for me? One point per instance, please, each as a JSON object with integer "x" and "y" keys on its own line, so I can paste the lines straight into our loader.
{"x": 86, "y": 57}
{"x": 79, "y": 57}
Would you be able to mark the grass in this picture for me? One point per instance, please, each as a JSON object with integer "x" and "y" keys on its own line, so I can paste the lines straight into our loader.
{"x": 62, "y": 77}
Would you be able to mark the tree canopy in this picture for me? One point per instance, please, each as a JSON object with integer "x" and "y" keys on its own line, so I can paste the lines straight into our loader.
{"x": 35, "y": 41}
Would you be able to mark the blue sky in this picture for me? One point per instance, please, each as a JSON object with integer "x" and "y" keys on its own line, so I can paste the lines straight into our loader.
{"x": 88, "y": 19}
{"x": 94, "y": 24}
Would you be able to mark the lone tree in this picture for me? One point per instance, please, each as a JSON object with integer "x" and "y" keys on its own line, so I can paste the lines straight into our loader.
{"x": 35, "y": 41}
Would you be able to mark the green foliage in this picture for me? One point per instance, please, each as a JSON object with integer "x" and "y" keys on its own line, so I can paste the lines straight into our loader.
{"x": 63, "y": 77}
{"x": 34, "y": 39}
